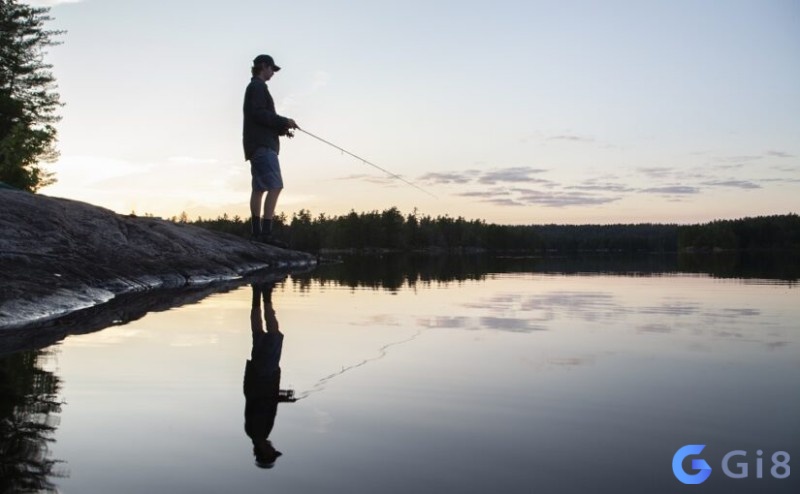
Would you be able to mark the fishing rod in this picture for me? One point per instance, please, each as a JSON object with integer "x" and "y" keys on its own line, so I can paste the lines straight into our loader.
{"x": 384, "y": 170}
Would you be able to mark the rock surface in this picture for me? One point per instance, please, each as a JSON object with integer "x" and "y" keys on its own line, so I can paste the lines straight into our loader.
{"x": 58, "y": 256}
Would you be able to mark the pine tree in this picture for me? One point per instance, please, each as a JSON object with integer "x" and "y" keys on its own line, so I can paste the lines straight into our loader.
{"x": 28, "y": 101}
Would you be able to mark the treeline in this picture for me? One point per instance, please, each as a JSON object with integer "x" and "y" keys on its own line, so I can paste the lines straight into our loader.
{"x": 780, "y": 232}
{"x": 391, "y": 230}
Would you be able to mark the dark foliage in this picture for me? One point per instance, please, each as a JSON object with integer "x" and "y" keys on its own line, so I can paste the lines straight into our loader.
{"x": 28, "y": 101}
{"x": 28, "y": 416}
{"x": 780, "y": 232}
{"x": 389, "y": 230}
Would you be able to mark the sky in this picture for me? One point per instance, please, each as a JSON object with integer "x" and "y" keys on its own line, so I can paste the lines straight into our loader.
{"x": 513, "y": 112}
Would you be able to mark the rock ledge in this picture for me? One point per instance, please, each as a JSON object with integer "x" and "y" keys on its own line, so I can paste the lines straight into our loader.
{"x": 58, "y": 256}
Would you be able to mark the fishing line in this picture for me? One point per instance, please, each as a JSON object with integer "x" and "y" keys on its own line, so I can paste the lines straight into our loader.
{"x": 382, "y": 351}
{"x": 384, "y": 170}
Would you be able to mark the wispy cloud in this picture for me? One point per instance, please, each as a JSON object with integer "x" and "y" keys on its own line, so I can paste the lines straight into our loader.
{"x": 449, "y": 178}
{"x": 529, "y": 197}
{"x": 656, "y": 171}
{"x": 594, "y": 186}
{"x": 779, "y": 154}
{"x": 519, "y": 174}
{"x": 570, "y": 138}
{"x": 564, "y": 199}
{"x": 514, "y": 174}
{"x": 739, "y": 184}
{"x": 673, "y": 189}
{"x": 564, "y": 137}
{"x": 373, "y": 179}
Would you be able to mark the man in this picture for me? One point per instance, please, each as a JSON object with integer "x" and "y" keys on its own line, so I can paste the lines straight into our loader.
{"x": 262, "y": 130}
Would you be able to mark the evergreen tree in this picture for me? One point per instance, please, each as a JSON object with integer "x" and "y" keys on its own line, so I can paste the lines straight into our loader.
{"x": 28, "y": 101}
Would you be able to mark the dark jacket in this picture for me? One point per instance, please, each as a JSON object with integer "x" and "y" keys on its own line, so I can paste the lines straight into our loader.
{"x": 262, "y": 126}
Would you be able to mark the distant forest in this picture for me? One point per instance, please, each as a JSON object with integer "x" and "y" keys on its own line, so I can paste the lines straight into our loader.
{"x": 392, "y": 231}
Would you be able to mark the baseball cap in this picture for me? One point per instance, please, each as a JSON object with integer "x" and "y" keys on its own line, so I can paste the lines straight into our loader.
{"x": 266, "y": 59}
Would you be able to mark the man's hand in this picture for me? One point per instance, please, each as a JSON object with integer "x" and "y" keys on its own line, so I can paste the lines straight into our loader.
{"x": 291, "y": 124}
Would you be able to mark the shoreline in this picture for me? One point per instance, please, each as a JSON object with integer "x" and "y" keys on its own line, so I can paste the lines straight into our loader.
{"x": 59, "y": 256}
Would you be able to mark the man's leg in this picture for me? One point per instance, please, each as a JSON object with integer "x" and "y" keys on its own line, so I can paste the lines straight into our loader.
{"x": 255, "y": 212}
{"x": 269, "y": 210}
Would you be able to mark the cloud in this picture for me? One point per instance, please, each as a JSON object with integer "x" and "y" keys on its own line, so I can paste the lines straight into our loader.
{"x": 570, "y": 138}
{"x": 739, "y": 184}
{"x": 656, "y": 172}
{"x": 528, "y": 197}
{"x": 373, "y": 179}
{"x": 513, "y": 174}
{"x": 593, "y": 186}
{"x": 519, "y": 174}
{"x": 673, "y": 189}
{"x": 560, "y": 200}
{"x": 779, "y": 154}
{"x": 449, "y": 178}
{"x": 740, "y": 159}
{"x": 504, "y": 202}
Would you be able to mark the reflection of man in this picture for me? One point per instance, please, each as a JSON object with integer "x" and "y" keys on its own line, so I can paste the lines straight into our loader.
{"x": 262, "y": 377}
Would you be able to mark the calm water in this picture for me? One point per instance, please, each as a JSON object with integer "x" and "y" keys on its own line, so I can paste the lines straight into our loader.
{"x": 498, "y": 382}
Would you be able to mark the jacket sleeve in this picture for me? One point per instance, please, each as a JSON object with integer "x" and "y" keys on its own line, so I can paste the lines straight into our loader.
{"x": 259, "y": 110}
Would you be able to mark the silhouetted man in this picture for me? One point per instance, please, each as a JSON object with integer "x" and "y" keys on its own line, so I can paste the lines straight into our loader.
{"x": 262, "y": 376}
{"x": 261, "y": 138}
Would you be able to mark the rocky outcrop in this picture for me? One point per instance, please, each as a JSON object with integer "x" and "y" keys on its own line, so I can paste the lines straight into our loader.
{"x": 58, "y": 256}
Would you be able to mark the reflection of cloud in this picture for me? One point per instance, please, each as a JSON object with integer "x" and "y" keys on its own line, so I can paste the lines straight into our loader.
{"x": 378, "y": 320}
{"x": 654, "y": 328}
{"x": 444, "y": 322}
{"x": 671, "y": 309}
{"x": 512, "y": 324}
{"x": 495, "y": 323}
{"x": 571, "y": 361}
{"x": 736, "y": 313}
{"x": 774, "y": 345}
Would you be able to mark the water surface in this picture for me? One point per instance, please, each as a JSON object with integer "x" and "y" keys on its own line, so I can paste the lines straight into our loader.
{"x": 498, "y": 382}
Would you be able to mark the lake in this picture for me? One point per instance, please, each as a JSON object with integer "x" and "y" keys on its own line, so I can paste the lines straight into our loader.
{"x": 445, "y": 375}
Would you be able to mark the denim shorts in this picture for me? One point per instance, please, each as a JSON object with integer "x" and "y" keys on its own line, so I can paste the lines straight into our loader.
{"x": 266, "y": 170}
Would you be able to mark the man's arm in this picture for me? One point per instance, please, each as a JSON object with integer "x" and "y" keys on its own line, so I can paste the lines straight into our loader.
{"x": 259, "y": 109}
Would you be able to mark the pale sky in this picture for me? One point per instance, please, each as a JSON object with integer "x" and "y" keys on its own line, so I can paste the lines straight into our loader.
{"x": 515, "y": 112}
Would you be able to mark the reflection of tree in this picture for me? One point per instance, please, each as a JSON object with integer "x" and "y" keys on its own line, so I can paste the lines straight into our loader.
{"x": 394, "y": 271}
{"x": 28, "y": 408}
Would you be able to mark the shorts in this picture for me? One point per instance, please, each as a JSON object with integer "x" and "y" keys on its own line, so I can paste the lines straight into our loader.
{"x": 266, "y": 170}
